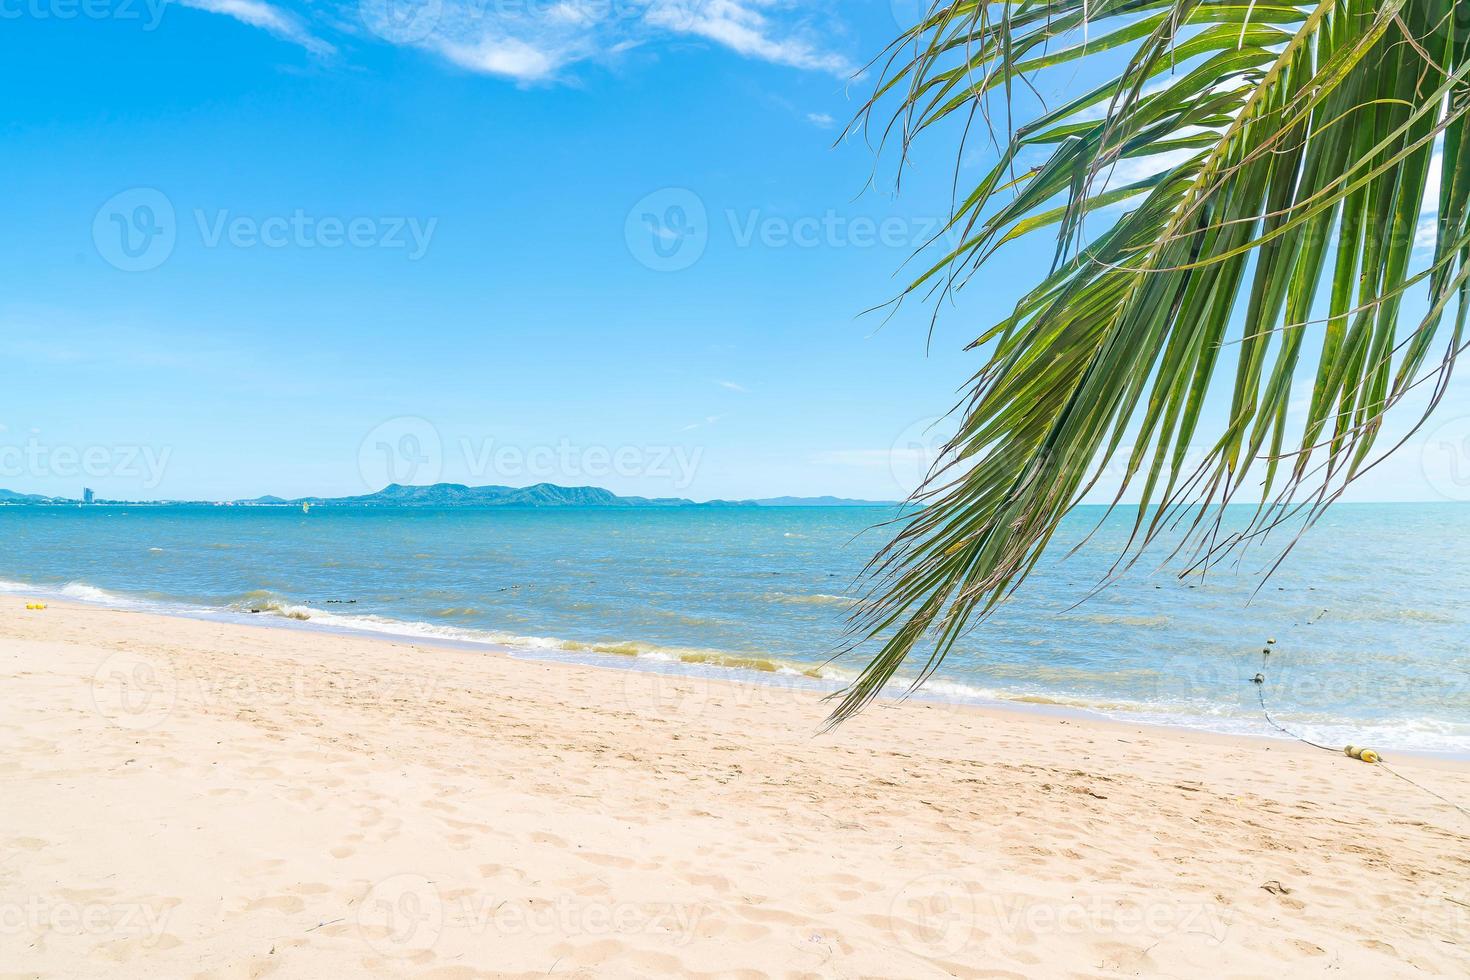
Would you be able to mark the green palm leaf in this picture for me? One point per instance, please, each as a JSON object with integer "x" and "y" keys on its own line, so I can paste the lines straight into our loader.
{"x": 1298, "y": 141}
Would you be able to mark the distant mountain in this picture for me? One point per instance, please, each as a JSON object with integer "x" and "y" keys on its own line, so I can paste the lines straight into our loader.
{"x": 821, "y": 502}
{"x": 541, "y": 495}
{"x": 459, "y": 495}
{"x": 551, "y": 495}
{"x": 11, "y": 497}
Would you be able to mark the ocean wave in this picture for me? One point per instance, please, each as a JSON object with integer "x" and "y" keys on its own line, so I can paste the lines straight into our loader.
{"x": 1416, "y": 734}
{"x": 1119, "y": 619}
{"x": 75, "y": 591}
{"x": 815, "y": 599}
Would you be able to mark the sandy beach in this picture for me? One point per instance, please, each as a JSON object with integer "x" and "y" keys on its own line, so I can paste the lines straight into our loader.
{"x": 194, "y": 798}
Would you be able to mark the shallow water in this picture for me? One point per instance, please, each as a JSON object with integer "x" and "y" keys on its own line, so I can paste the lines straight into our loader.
{"x": 1368, "y": 611}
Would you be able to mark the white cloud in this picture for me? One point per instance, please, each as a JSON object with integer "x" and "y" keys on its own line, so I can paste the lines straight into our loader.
{"x": 1431, "y": 186}
{"x": 508, "y": 57}
{"x": 1133, "y": 169}
{"x": 820, "y": 120}
{"x": 708, "y": 420}
{"x": 267, "y": 17}
{"x": 733, "y": 386}
{"x": 534, "y": 40}
{"x": 742, "y": 28}
{"x": 1427, "y": 232}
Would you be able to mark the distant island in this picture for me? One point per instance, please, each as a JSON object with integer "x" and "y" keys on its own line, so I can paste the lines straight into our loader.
{"x": 459, "y": 495}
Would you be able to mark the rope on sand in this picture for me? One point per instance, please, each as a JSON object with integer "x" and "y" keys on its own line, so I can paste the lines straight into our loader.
{"x": 1352, "y": 751}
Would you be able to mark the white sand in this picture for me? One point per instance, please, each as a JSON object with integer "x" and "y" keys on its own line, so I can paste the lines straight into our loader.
{"x": 186, "y": 798}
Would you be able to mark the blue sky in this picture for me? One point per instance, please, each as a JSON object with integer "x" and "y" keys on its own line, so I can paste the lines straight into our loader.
{"x": 307, "y": 248}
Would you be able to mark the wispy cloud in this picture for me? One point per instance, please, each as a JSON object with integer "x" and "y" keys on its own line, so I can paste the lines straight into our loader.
{"x": 821, "y": 120}
{"x": 267, "y": 17}
{"x": 1427, "y": 232}
{"x": 508, "y": 57}
{"x": 744, "y": 26}
{"x": 733, "y": 387}
{"x": 535, "y": 42}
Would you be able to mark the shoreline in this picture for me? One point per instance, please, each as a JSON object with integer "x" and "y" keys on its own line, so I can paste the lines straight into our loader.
{"x": 555, "y": 651}
{"x": 227, "y": 799}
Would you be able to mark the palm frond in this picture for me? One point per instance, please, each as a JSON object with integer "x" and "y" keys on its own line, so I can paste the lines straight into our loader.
{"x": 1278, "y": 156}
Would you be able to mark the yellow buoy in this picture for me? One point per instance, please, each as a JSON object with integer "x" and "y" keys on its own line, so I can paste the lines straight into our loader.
{"x": 1358, "y": 752}
{"x": 35, "y": 605}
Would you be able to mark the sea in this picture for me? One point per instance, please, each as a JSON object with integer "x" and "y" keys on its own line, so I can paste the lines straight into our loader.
{"x": 1367, "y": 619}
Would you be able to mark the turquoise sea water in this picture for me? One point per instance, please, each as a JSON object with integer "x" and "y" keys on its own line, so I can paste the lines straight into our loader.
{"x": 1369, "y": 611}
